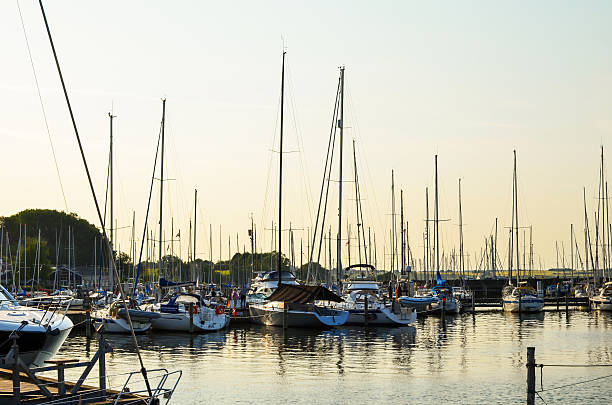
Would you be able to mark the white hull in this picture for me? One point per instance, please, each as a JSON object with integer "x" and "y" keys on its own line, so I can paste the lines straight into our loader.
{"x": 207, "y": 322}
{"x": 105, "y": 324}
{"x": 601, "y": 303}
{"x": 381, "y": 317}
{"x": 531, "y": 304}
{"x": 273, "y": 316}
{"x": 450, "y": 306}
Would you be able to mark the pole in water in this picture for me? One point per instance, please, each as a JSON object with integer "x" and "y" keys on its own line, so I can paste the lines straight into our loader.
{"x": 531, "y": 375}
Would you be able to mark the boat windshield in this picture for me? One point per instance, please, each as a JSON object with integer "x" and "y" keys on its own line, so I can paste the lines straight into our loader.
{"x": 5, "y": 296}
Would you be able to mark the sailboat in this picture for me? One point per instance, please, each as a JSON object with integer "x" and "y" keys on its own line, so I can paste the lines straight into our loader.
{"x": 295, "y": 305}
{"x": 522, "y": 298}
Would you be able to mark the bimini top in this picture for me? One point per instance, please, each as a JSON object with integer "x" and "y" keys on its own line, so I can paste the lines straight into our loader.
{"x": 302, "y": 294}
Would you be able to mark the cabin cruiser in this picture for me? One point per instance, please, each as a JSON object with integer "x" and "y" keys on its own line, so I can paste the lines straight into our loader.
{"x": 444, "y": 299}
{"x": 114, "y": 319}
{"x": 294, "y": 306}
{"x": 187, "y": 312}
{"x": 603, "y": 301}
{"x": 41, "y": 332}
{"x": 522, "y": 298}
{"x": 358, "y": 293}
{"x": 264, "y": 285}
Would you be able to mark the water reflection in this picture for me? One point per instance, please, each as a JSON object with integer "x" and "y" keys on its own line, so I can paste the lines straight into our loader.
{"x": 484, "y": 352}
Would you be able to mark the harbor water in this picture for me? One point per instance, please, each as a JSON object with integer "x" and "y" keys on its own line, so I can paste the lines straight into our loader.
{"x": 464, "y": 359}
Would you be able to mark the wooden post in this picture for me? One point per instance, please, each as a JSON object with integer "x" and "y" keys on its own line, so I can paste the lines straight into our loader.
{"x": 531, "y": 375}
{"x": 284, "y": 315}
{"x": 102, "y": 366}
{"x": 16, "y": 379}
{"x": 191, "y": 317}
{"x": 473, "y": 305}
{"x": 566, "y": 303}
{"x": 88, "y": 317}
{"x": 61, "y": 384}
{"x": 365, "y": 311}
{"x": 520, "y": 303}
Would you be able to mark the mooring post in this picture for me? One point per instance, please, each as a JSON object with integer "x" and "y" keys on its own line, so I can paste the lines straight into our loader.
{"x": 566, "y": 303}
{"x": 88, "y": 317}
{"x": 61, "y": 384}
{"x": 520, "y": 303}
{"x": 102, "y": 364}
{"x": 365, "y": 311}
{"x": 473, "y": 304}
{"x": 284, "y": 315}
{"x": 191, "y": 317}
{"x": 531, "y": 375}
{"x": 16, "y": 379}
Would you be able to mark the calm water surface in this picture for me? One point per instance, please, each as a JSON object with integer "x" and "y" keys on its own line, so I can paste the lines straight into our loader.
{"x": 466, "y": 359}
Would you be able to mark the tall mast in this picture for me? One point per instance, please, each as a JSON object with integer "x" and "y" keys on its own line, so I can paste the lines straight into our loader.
{"x": 461, "y": 266}
{"x": 341, "y": 126}
{"x": 516, "y": 221}
{"x": 393, "y": 237}
{"x": 402, "y": 234}
{"x": 427, "y": 247}
{"x": 110, "y": 170}
{"x": 436, "y": 219}
{"x": 280, "y": 175}
{"x": 161, "y": 193}
{"x": 195, "y": 223}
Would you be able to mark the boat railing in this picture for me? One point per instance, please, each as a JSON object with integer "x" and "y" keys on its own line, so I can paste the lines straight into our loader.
{"x": 160, "y": 391}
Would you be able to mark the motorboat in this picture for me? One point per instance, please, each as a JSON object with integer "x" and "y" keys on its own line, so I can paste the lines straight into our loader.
{"x": 522, "y": 298}
{"x": 41, "y": 332}
{"x": 299, "y": 306}
{"x": 114, "y": 319}
{"x": 603, "y": 301}
{"x": 263, "y": 286}
{"x": 444, "y": 300}
{"x": 187, "y": 312}
{"x": 358, "y": 293}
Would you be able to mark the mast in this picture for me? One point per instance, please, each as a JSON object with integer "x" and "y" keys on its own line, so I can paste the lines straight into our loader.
{"x": 393, "y": 237}
{"x": 161, "y": 193}
{"x": 427, "y": 247}
{"x": 359, "y": 224}
{"x": 461, "y": 264}
{"x": 341, "y": 126}
{"x": 517, "y": 222}
{"x": 403, "y": 236}
{"x": 280, "y": 175}
{"x": 110, "y": 168}
{"x": 195, "y": 219}
{"x": 437, "y": 219}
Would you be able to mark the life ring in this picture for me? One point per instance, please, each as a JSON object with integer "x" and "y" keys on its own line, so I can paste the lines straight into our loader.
{"x": 219, "y": 310}
{"x": 193, "y": 309}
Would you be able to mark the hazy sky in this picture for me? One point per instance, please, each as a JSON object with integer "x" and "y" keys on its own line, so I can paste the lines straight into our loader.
{"x": 469, "y": 81}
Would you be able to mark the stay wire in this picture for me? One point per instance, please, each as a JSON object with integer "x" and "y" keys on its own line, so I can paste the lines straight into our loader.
{"x": 42, "y": 107}
{"x": 93, "y": 192}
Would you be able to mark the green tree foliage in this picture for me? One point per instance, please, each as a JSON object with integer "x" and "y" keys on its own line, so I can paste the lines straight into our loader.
{"x": 50, "y": 223}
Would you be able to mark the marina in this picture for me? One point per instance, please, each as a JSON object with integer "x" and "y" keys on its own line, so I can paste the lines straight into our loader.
{"x": 202, "y": 240}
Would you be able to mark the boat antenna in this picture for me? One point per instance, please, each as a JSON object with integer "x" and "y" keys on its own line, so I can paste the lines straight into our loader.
{"x": 93, "y": 193}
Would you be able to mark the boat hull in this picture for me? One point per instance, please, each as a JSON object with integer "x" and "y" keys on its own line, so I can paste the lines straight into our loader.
{"x": 120, "y": 325}
{"x": 180, "y": 322}
{"x": 273, "y": 316}
{"x": 526, "y": 305}
{"x": 601, "y": 303}
{"x": 381, "y": 317}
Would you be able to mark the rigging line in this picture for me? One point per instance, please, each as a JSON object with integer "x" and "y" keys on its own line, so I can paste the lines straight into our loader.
{"x": 327, "y": 163}
{"x": 303, "y": 162}
{"x": 144, "y": 231}
{"x": 42, "y": 107}
{"x": 93, "y": 192}
{"x": 267, "y": 195}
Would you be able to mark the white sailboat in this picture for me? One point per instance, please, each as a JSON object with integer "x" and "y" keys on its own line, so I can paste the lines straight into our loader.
{"x": 188, "y": 313}
{"x": 603, "y": 301}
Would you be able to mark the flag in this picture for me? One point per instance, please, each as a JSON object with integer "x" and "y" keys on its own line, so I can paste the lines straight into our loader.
{"x": 178, "y": 235}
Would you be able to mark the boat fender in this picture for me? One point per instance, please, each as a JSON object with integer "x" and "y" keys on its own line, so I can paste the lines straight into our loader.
{"x": 219, "y": 310}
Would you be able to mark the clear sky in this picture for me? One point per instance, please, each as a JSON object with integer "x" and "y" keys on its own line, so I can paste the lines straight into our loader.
{"x": 469, "y": 81}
